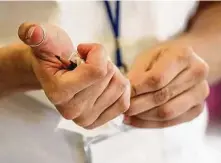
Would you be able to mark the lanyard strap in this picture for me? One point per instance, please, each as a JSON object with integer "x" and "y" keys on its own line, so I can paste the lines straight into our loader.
{"x": 115, "y": 25}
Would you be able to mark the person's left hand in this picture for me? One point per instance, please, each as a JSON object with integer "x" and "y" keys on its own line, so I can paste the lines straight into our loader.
{"x": 168, "y": 87}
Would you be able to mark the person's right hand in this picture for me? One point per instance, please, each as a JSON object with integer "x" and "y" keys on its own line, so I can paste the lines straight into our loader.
{"x": 90, "y": 95}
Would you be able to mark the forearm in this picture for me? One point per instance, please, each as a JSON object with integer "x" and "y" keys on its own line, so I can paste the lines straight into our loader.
{"x": 15, "y": 70}
{"x": 204, "y": 35}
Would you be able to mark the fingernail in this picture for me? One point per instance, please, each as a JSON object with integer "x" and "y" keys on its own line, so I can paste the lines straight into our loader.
{"x": 30, "y": 33}
{"x": 127, "y": 120}
{"x": 35, "y": 36}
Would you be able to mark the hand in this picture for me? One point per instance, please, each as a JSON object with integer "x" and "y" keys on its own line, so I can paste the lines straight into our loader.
{"x": 90, "y": 95}
{"x": 169, "y": 87}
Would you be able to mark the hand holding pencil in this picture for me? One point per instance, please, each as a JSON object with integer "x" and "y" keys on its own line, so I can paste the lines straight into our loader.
{"x": 91, "y": 94}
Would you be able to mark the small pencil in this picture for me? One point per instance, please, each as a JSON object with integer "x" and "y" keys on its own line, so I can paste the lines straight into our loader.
{"x": 67, "y": 64}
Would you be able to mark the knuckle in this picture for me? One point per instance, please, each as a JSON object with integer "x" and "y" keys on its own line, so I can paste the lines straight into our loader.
{"x": 162, "y": 96}
{"x": 95, "y": 73}
{"x": 83, "y": 121}
{"x": 67, "y": 115}
{"x": 199, "y": 109}
{"x": 98, "y": 72}
{"x": 166, "y": 112}
{"x": 184, "y": 55}
{"x": 54, "y": 97}
{"x": 86, "y": 118}
{"x": 70, "y": 114}
{"x": 124, "y": 105}
{"x": 200, "y": 71}
{"x": 99, "y": 47}
{"x": 58, "y": 96}
{"x": 101, "y": 72}
{"x": 155, "y": 81}
{"x": 123, "y": 85}
{"x": 120, "y": 82}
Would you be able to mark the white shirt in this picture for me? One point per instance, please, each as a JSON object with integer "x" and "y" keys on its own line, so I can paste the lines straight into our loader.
{"x": 32, "y": 132}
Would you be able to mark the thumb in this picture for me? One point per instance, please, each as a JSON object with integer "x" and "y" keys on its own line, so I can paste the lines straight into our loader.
{"x": 49, "y": 39}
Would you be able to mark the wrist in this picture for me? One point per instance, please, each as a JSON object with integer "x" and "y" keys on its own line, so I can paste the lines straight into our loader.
{"x": 16, "y": 69}
{"x": 29, "y": 80}
{"x": 194, "y": 40}
{"x": 206, "y": 46}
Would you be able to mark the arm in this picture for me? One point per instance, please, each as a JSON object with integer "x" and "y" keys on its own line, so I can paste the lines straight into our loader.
{"x": 203, "y": 34}
{"x": 15, "y": 69}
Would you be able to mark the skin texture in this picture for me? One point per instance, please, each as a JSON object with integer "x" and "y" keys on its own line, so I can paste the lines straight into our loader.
{"x": 16, "y": 76}
{"x": 162, "y": 78}
{"x": 203, "y": 33}
{"x": 90, "y": 95}
{"x": 170, "y": 74}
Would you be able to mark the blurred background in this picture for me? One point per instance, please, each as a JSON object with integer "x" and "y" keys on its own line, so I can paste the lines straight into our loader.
{"x": 85, "y": 22}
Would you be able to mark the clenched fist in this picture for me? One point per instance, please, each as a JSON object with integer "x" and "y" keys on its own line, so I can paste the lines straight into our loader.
{"x": 169, "y": 86}
{"x": 91, "y": 94}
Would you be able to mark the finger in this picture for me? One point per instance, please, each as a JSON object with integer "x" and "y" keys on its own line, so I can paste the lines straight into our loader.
{"x": 93, "y": 54}
{"x": 90, "y": 96}
{"x": 46, "y": 42}
{"x": 80, "y": 78}
{"x": 143, "y": 63}
{"x": 186, "y": 117}
{"x": 87, "y": 74}
{"x": 115, "y": 89}
{"x": 108, "y": 97}
{"x": 181, "y": 83}
{"x": 178, "y": 105}
{"x": 119, "y": 107}
{"x": 31, "y": 34}
{"x": 166, "y": 67}
{"x": 73, "y": 106}
{"x": 48, "y": 39}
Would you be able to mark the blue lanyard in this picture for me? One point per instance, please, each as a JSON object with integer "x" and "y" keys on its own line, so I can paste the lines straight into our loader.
{"x": 115, "y": 25}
